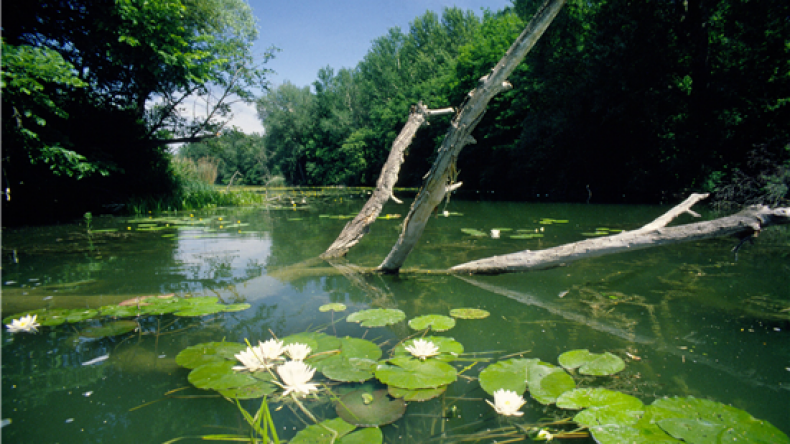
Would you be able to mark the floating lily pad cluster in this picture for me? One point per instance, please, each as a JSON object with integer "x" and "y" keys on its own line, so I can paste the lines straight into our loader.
{"x": 51, "y": 317}
{"x": 602, "y": 231}
{"x": 382, "y": 317}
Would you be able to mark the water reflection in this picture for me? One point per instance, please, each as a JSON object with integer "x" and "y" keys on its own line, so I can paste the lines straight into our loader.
{"x": 688, "y": 320}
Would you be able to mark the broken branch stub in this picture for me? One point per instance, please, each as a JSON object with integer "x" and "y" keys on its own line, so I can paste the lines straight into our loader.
{"x": 437, "y": 182}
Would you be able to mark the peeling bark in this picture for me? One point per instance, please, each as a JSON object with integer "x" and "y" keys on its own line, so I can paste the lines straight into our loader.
{"x": 357, "y": 228}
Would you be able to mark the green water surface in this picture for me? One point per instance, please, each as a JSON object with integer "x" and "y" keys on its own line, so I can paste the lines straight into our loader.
{"x": 688, "y": 320}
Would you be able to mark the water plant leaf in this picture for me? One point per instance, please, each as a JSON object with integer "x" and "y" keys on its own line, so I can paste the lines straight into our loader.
{"x": 368, "y": 435}
{"x": 335, "y": 306}
{"x": 417, "y": 395}
{"x": 691, "y": 419}
{"x": 546, "y": 381}
{"x": 510, "y": 374}
{"x": 526, "y": 236}
{"x": 473, "y": 232}
{"x": 448, "y": 348}
{"x": 434, "y": 322}
{"x": 256, "y": 390}
{"x": 320, "y": 344}
{"x": 219, "y": 375}
{"x": 377, "y": 317}
{"x": 120, "y": 311}
{"x": 469, "y": 313}
{"x": 409, "y": 373}
{"x": 236, "y": 307}
{"x": 602, "y": 406}
{"x": 201, "y": 310}
{"x": 619, "y": 434}
{"x": 110, "y": 329}
{"x": 363, "y": 411}
{"x": 200, "y": 354}
{"x": 78, "y": 315}
{"x": 318, "y": 433}
{"x": 594, "y": 364}
{"x": 343, "y": 369}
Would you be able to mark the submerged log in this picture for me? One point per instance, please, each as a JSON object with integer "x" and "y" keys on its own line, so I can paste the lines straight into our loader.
{"x": 357, "y": 228}
{"x": 441, "y": 178}
{"x": 745, "y": 224}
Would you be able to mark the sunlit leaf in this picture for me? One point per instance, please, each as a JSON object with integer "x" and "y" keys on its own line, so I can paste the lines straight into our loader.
{"x": 377, "y": 317}
{"x": 409, "y": 373}
{"x": 219, "y": 375}
{"x": 510, "y": 374}
{"x": 435, "y": 322}
{"x": 602, "y": 406}
{"x": 469, "y": 313}
{"x": 374, "y": 410}
{"x": 473, "y": 232}
{"x": 546, "y": 382}
{"x": 256, "y": 390}
{"x": 594, "y": 364}
{"x": 368, "y": 435}
{"x": 200, "y": 354}
{"x": 333, "y": 307}
{"x": 236, "y": 307}
{"x": 110, "y": 329}
{"x": 81, "y": 315}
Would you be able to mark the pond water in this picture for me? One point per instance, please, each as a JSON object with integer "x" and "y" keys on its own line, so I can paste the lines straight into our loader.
{"x": 687, "y": 320}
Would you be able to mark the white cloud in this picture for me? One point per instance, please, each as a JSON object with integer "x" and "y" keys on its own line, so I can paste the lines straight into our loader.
{"x": 245, "y": 117}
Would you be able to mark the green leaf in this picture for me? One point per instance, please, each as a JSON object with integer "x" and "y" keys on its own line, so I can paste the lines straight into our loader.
{"x": 469, "y": 313}
{"x": 356, "y": 408}
{"x": 219, "y": 376}
{"x": 435, "y": 322}
{"x": 318, "y": 433}
{"x": 368, "y": 435}
{"x": 377, "y": 317}
{"x": 417, "y": 395}
{"x": 592, "y": 363}
{"x": 200, "y": 354}
{"x": 333, "y": 307}
{"x": 603, "y": 406}
{"x": 546, "y": 382}
{"x": 473, "y": 232}
{"x": 510, "y": 374}
{"x": 449, "y": 348}
{"x": 411, "y": 373}
{"x": 110, "y": 329}
{"x": 255, "y": 390}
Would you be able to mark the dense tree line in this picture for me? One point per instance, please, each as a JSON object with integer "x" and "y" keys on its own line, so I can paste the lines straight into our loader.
{"x": 638, "y": 101}
{"x": 240, "y": 157}
{"x": 95, "y": 90}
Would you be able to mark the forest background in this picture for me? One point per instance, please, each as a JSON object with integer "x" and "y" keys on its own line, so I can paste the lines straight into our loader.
{"x": 630, "y": 101}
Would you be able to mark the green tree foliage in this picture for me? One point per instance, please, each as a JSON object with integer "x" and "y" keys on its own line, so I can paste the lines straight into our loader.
{"x": 100, "y": 86}
{"x": 236, "y": 152}
{"x": 639, "y": 101}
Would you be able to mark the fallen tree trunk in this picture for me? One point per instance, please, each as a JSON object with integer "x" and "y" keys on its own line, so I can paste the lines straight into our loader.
{"x": 357, "y": 228}
{"x": 748, "y": 222}
{"x": 441, "y": 178}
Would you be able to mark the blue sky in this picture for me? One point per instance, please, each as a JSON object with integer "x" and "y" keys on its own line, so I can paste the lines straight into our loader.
{"x": 315, "y": 33}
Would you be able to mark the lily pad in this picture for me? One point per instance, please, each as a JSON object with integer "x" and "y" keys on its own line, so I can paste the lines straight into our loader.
{"x": 593, "y": 364}
{"x": 602, "y": 406}
{"x": 434, "y": 322}
{"x": 619, "y": 434}
{"x": 368, "y": 435}
{"x": 201, "y": 310}
{"x": 318, "y": 433}
{"x": 448, "y": 348}
{"x": 236, "y": 307}
{"x": 322, "y": 346}
{"x": 526, "y": 236}
{"x": 473, "y": 232}
{"x": 119, "y": 311}
{"x": 409, "y": 373}
{"x": 469, "y": 313}
{"x": 417, "y": 395}
{"x": 355, "y": 363}
{"x": 255, "y": 390}
{"x": 219, "y": 375}
{"x": 375, "y": 409}
{"x": 200, "y": 354}
{"x": 546, "y": 382}
{"x": 695, "y": 420}
{"x": 110, "y": 329}
{"x": 336, "y": 306}
{"x": 510, "y": 374}
{"x": 81, "y": 315}
{"x": 377, "y": 317}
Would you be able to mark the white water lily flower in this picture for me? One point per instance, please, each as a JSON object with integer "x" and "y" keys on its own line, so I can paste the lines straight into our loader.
{"x": 26, "y": 324}
{"x": 544, "y": 435}
{"x": 271, "y": 349}
{"x": 446, "y": 213}
{"x": 297, "y": 351}
{"x": 495, "y": 234}
{"x": 507, "y": 402}
{"x": 296, "y": 376}
{"x": 422, "y": 349}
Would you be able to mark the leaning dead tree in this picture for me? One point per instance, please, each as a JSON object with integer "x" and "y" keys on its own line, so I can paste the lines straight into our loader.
{"x": 745, "y": 224}
{"x": 441, "y": 179}
{"x": 357, "y": 228}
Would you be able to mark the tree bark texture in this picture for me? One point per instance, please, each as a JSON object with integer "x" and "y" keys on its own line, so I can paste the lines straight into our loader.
{"x": 748, "y": 222}
{"x": 441, "y": 178}
{"x": 357, "y": 228}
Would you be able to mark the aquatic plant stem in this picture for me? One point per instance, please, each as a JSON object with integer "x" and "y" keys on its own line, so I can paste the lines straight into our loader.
{"x": 307, "y": 412}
